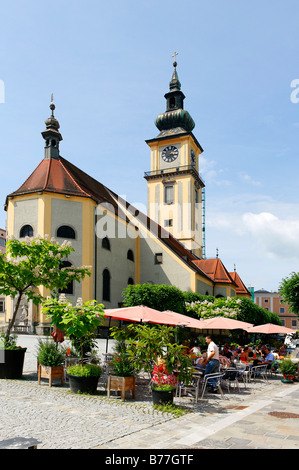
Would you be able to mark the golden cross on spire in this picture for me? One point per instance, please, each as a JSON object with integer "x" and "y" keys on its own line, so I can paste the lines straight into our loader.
{"x": 52, "y": 105}
{"x": 175, "y": 62}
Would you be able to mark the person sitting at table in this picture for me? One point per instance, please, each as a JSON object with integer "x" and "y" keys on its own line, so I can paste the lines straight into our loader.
{"x": 250, "y": 353}
{"x": 195, "y": 352}
{"x": 226, "y": 352}
{"x": 224, "y": 361}
{"x": 259, "y": 355}
{"x": 276, "y": 354}
{"x": 244, "y": 355}
{"x": 282, "y": 351}
{"x": 236, "y": 351}
{"x": 269, "y": 358}
{"x": 201, "y": 362}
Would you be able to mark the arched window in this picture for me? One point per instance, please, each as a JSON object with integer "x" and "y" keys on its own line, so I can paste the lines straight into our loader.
{"x": 26, "y": 231}
{"x": 64, "y": 231}
{"x": 172, "y": 102}
{"x": 130, "y": 255}
{"x": 130, "y": 281}
{"x": 106, "y": 243}
{"x": 106, "y": 285}
{"x": 69, "y": 289}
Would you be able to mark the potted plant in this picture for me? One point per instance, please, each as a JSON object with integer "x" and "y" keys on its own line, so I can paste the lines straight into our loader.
{"x": 152, "y": 349}
{"x": 27, "y": 266}
{"x": 79, "y": 322}
{"x": 288, "y": 368}
{"x": 122, "y": 377}
{"x": 11, "y": 357}
{"x": 50, "y": 361}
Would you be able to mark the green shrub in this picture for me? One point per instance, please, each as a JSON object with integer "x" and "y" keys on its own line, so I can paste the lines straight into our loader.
{"x": 48, "y": 354}
{"x": 122, "y": 366}
{"x": 287, "y": 367}
{"x": 87, "y": 370}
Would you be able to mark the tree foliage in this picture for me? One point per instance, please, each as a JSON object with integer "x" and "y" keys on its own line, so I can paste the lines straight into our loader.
{"x": 158, "y": 296}
{"x": 147, "y": 344}
{"x": 165, "y": 297}
{"x": 78, "y": 321}
{"x": 32, "y": 263}
{"x": 223, "y": 306}
{"x": 289, "y": 290}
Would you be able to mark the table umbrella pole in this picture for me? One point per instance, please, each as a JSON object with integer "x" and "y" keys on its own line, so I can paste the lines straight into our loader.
{"x": 108, "y": 335}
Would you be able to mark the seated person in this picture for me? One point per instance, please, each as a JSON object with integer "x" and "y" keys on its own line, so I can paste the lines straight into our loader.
{"x": 250, "y": 353}
{"x": 225, "y": 361}
{"x": 201, "y": 362}
{"x": 276, "y": 354}
{"x": 226, "y": 352}
{"x": 269, "y": 359}
{"x": 244, "y": 355}
{"x": 236, "y": 350}
{"x": 282, "y": 351}
{"x": 195, "y": 352}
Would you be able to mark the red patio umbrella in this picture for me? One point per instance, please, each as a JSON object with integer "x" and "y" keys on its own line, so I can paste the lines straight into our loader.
{"x": 141, "y": 313}
{"x": 270, "y": 328}
{"x": 224, "y": 323}
{"x": 187, "y": 321}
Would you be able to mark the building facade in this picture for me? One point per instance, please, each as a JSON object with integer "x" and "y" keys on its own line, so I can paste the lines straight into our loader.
{"x": 273, "y": 302}
{"x": 2, "y": 250}
{"x": 122, "y": 245}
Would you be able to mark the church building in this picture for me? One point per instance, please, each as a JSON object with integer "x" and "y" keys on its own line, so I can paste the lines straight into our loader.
{"x": 122, "y": 245}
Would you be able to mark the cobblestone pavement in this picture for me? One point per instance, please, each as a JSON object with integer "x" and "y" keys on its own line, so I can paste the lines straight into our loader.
{"x": 261, "y": 416}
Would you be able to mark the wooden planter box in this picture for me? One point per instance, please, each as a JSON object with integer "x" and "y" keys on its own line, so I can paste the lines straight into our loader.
{"x": 121, "y": 384}
{"x": 47, "y": 372}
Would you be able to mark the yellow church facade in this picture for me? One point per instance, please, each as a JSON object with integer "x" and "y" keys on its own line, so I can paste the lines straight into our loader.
{"x": 122, "y": 245}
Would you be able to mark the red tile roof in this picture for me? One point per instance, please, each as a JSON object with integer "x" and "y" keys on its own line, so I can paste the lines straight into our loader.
{"x": 62, "y": 177}
{"x": 241, "y": 289}
{"x": 215, "y": 269}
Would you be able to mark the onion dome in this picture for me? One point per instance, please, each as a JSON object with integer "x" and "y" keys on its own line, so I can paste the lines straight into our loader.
{"x": 52, "y": 135}
{"x": 175, "y": 116}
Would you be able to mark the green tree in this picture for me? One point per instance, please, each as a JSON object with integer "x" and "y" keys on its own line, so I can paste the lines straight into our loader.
{"x": 289, "y": 290}
{"x": 223, "y": 306}
{"x": 158, "y": 296}
{"x": 78, "y": 321}
{"x": 149, "y": 343}
{"x": 32, "y": 263}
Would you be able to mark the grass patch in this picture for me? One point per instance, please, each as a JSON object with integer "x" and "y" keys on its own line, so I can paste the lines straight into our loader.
{"x": 171, "y": 408}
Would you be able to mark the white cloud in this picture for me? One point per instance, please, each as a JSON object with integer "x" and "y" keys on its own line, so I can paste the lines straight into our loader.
{"x": 277, "y": 237}
{"x": 248, "y": 179}
{"x": 211, "y": 174}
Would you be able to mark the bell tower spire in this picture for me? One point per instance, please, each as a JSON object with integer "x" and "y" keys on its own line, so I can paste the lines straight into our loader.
{"x": 51, "y": 134}
{"x": 175, "y": 188}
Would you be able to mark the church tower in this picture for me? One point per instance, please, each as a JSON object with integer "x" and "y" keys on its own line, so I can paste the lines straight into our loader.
{"x": 175, "y": 188}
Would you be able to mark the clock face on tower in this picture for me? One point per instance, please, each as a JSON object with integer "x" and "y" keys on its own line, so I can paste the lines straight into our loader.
{"x": 170, "y": 153}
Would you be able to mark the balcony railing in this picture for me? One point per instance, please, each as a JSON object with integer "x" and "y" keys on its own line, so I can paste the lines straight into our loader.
{"x": 175, "y": 169}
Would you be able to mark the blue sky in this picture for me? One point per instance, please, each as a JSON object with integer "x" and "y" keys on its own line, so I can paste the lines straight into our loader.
{"x": 109, "y": 65}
